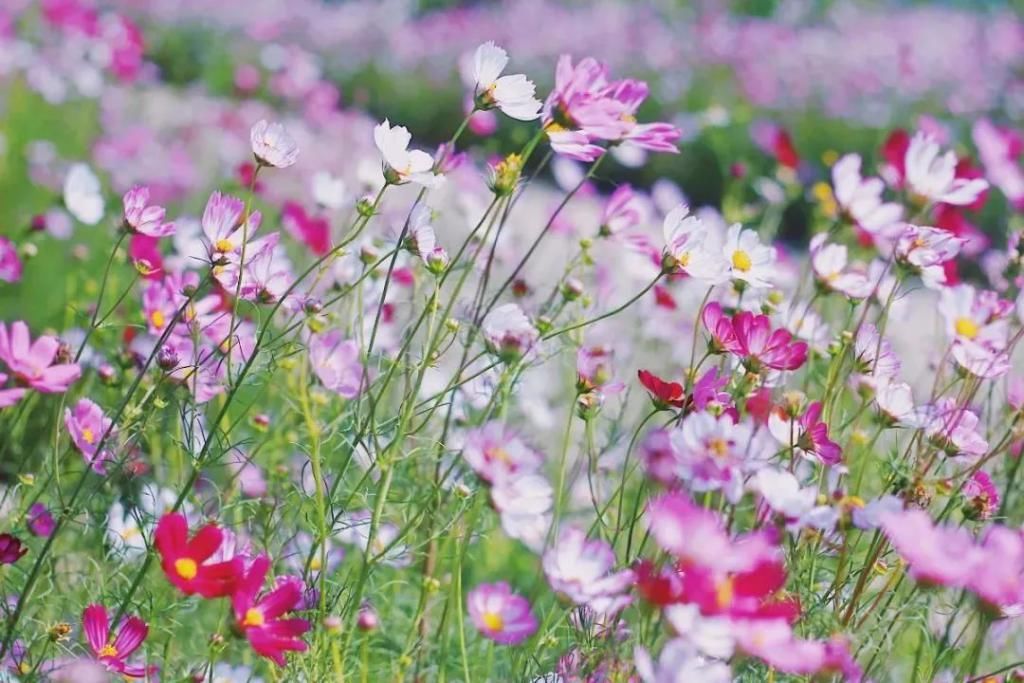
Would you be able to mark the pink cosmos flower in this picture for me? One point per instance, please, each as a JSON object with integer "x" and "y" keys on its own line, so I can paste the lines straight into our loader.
{"x": 621, "y": 212}
{"x": 523, "y": 502}
{"x": 221, "y": 221}
{"x": 981, "y": 494}
{"x": 260, "y": 615}
{"x": 11, "y": 549}
{"x": 142, "y": 218}
{"x": 998, "y": 577}
{"x": 697, "y": 537}
{"x": 937, "y": 555}
{"x": 924, "y": 250}
{"x": 39, "y": 520}
{"x": 110, "y": 650}
{"x": 807, "y": 435}
{"x": 266, "y": 273}
{"x": 751, "y": 338}
{"x": 336, "y": 363}
{"x": 829, "y": 262}
{"x": 495, "y": 452}
{"x": 272, "y": 145}
{"x": 88, "y": 426}
{"x": 1000, "y": 149}
{"x": 774, "y": 642}
{"x": 679, "y": 662}
{"x": 187, "y": 562}
{"x": 509, "y": 333}
{"x": 32, "y": 364}
{"x": 860, "y": 199}
{"x": 10, "y": 263}
{"x": 715, "y": 453}
{"x": 952, "y": 427}
{"x": 583, "y": 571}
{"x": 313, "y": 231}
{"x": 499, "y": 614}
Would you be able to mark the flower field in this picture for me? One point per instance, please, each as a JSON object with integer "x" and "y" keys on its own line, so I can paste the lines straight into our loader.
{"x": 527, "y": 341}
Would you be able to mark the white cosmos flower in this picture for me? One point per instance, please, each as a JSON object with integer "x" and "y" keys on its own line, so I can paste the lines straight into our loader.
{"x": 82, "y": 195}
{"x": 933, "y": 176}
{"x": 747, "y": 259}
{"x": 691, "y": 244}
{"x": 329, "y": 191}
{"x": 861, "y": 198}
{"x": 408, "y": 165}
{"x": 273, "y": 145}
{"x": 513, "y": 95}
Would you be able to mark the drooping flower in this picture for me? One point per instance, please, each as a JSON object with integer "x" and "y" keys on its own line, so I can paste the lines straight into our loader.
{"x": 495, "y": 452}
{"x": 583, "y": 570}
{"x": 513, "y": 95}
{"x": 88, "y": 428}
{"x": 403, "y": 165}
{"x": 186, "y": 561}
{"x": 500, "y": 614}
{"x": 11, "y": 549}
{"x": 272, "y": 145}
{"x": 112, "y": 650}
{"x": 933, "y": 176}
{"x": 336, "y": 363}
{"x": 32, "y": 363}
{"x": 142, "y": 218}
{"x": 621, "y": 212}
{"x": 260, "y": 615}
{"x": 509, "y": 333}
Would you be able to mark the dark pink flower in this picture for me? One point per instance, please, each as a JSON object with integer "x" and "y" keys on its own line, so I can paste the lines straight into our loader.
{"x": 40, "y": 522}
{"x": 11, "y": 549}
{"x": 143, "y": 218}
{"x": 258, "y": 615}
{"x": 113, "y": 651}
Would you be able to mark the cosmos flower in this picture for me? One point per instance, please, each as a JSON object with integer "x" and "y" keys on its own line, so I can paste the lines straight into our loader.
{"x": 88, "y": 427}
{"x": 144, "y": 218}
{"x": 664, "y": 394}
{"x": 860, "y": 199}
{"x": 221, "y": 222}
{"x": 523, "y": 503}
{"x": 583, "y": 571}
{"x": 509, "y": 333}
{"x": 679, "y": 662}
{"x": 496, "y": 452}
{"x": 807, "y": 435}
{"x": 621, "y": 212}
{"x": 112, "y": 650}
{"x": 747, "y": 260}
{"x": 272, "y": 145}
{"x": 260, "y": 615}
{"x": 715, "y": 453}
{"x": 513, "y": 95}
{"x": 11, "y": 549}
{"x": 186, "y": 561}
{"x": 336, "y": 363}
{"x": 932, "y": 176}
{"x": 752, "y": 339}
{"x": 39, "y": 520}
{"x": 32, "y": 363}
{"x": 82, "y": 196}
{"x": 402, "y": 164}
{"x": 500, "y": 614}
{"x": 10, "y": 262}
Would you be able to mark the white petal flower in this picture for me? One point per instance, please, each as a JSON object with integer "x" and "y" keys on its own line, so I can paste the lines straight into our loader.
{"x": 82, "y": 195}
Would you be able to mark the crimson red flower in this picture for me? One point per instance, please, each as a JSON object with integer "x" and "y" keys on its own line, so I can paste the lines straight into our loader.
{"x": 664, "y": 394}
{"x": 185, "y": 563}
{"x": 753, "y": 594}
{"x": 659, "y": 587}
{"x": 11, "y": 549}
{"x": 258, "y": 616}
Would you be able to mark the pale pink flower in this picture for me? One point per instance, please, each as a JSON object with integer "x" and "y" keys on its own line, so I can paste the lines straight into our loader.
{"x": 143, "y": 218}
{"x": 10, "y": 262}
{"x": 496, "y": 452}
{"x": 499, "y": 614}
{"x": 88, "y": 428}
{"x": 272, "y": 145}
{"x": 32, "y": 363}
{"x": 336, "y": 363}
{"x": 584, "y": 571}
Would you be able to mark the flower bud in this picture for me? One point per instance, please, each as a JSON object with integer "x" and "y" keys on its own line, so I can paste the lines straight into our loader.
{"x": 167, "y": 358}
{"x": 332, "y": 624}
{"x": 369, "y": 254}
{"x": 505, "y": 175}
{"x": 364, "y": 207}
{"x": 367, "y": 619}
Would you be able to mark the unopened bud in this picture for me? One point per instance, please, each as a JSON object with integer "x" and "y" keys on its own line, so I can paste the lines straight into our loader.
{"x": 332, "y": 624}
{"x": 367, "y": 619}
{"x": 167, "y": 358}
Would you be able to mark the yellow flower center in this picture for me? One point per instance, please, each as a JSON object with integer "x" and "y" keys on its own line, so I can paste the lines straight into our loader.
{"x": 316, "y": 564}
{"x": 108, "y": 651}
{"x": 24, "y": 669}
{"x": 965, "y": 327}
{"x": 628, "y": 118}
{"x": 554, "y": 127}
{"x": 493, "y": 621}
{"x": 253, "y": 617}
{"x": 683, "y": 260}
{"x": 157, "y": 318}
{"x": 186, "y": 568}
{"x": 223, "y": 245}
{"x": 718, "y": 447}
{"x": 129, "y": 533}
{"x": 497, "y": 453}
{"x": 88, "y": 436}
{"x": 724, "y": 592}
{"x": 741, "y": 261}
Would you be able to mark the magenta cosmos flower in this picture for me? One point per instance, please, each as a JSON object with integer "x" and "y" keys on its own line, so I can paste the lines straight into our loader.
{"x": 32, "y": 363}
{"x": 259, "y": 615}
{"x": 10, "y": 263}
{"x": 88, "y": 427}
{"x": 143, "y": 218}
{"x": 584, "y": 571}
{"x": 110, "y": 650}
{"x": 752, "y": 338}
{"x": 195, "y": 565}
{"x": 500, "y": 614}
{"x": 495, "y": 452}
{"x": 807, "y": 435}
{"x": 11, "y": 549}
{"x": 336, "y": 363}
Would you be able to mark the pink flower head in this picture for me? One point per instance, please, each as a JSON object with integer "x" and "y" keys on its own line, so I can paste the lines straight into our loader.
{"x": 88, "y": 428}
{"x": 923, "y": 250}
{"x": 313, "y": 231}
{"x": 509, "y": 333}
{"x": 751, "y": 337}
{"x": 749, "y": 594}
{"x": 39, "y": 520}
{"x": 714, "y": 453}
{"x": 952, "y": 427}
{"x": 774, "y": 642}
{"x": 336, "y": 363}
{"x": 142, "y": 218}
{"x": 697, "y": 537}
{"x": 998, "y": 576}
{"x": 259, "y": 615}
{"x": 807, "y": 435}
{"x": 32, "y": 364}
{"x": 499, "y": 614}
{"x": 495, "y": 453}
{"x": 11, "y": 549}
{"x": 8, "y": 397}
{"x": 1000, "y": 149}
{"x": 10, "y": 263}
{"x": 186, "y": 562}
{"x": 272, "y": 145}
{"x": 860, "y": 199}
{"x": 981, "y": 494}
{"x": 110, "y": 650}
{"x": 266, "y": 274}
{"x": 221, "y": 221}
{"x": 583, "y": 571}
{"x": 933, "y": 177}
{"x": 937, "y": 555}
{"x": 621, "y": 212}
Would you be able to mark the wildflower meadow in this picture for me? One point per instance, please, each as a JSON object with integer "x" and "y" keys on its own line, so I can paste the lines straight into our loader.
{"x": 529, "y": 341}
